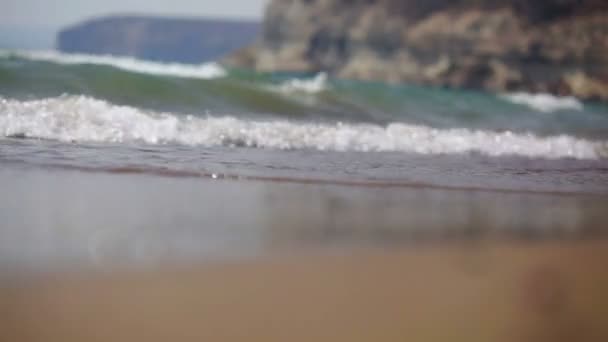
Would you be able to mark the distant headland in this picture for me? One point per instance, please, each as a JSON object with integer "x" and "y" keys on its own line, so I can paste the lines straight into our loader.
{"x": 158, "y": 39}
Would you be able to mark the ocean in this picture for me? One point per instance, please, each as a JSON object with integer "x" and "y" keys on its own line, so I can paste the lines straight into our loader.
{"x": 108, "y": 159}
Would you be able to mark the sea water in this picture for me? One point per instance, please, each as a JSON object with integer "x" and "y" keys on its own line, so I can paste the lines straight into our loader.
{"x": 102, "y": 156}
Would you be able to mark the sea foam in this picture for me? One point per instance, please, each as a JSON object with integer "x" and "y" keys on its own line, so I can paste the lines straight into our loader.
{"x": 85, "y": 119}
{"x": 313, "y": 85}
{"x": 202, "y": 71}
{"x": 544, "y": 102}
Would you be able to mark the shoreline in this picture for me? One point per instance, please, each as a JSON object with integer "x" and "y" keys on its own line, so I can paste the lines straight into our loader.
{"x": 58, "y": 218}
{"x": 350, "y": 182}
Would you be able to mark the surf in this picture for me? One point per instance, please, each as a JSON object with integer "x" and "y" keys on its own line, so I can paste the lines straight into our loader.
{"x": 202, "y": 71}
{"x": 85, "y": 119}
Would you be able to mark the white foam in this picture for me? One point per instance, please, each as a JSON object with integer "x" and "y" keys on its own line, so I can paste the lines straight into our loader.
{"x": 202, "y": 71}
{"x": 313, "y": 85}
{"x": 81, "y": 119}
{"x": 545, "y": 103}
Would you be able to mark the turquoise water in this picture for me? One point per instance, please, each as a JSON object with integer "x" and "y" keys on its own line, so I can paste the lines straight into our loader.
{"x": 108, "y": 160}
{"x": 246, "y": 94}
{"x": 117, "y": 105}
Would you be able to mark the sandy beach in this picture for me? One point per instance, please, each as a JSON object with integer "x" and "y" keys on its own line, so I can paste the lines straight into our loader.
{"x": 492, "y": 291}
{"x": 110, "y": 256}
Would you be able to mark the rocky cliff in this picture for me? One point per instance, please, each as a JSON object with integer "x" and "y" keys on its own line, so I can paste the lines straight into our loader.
{"x": 161, "y": 39}
{"x": 557, "y": 46}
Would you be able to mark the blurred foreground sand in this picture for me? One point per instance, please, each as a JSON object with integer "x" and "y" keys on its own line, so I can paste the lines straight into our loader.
{"x": 491, "y": 291}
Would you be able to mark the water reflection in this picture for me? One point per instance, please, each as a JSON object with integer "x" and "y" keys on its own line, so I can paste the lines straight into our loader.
{"x": 67, "y": 218}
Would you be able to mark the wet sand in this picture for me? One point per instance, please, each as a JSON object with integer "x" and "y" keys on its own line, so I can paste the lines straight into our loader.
{"x": 90, "y": 256}
{"x": 57, "y": 219}
{"x": 494, "y": 291}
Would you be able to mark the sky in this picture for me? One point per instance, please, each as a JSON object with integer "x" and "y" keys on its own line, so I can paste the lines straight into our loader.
{"x": 33, "y": 23}
{"x": 58, "y": 13}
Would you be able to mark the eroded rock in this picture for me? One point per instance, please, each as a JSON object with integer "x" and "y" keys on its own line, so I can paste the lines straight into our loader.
{"x": 558, "y": 46}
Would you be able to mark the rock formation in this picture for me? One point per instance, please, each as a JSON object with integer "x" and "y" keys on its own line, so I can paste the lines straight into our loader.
{"x": 161, "y": 39}
{"x": 557, "y": 46}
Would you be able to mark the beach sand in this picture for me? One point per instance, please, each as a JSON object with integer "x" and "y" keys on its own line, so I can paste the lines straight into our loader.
{"x": 109, "y": 257}
{"x": 493, "y": 291}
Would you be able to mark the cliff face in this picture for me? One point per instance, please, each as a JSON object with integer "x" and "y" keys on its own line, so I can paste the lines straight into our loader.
{"x": 558, "y": 46}
{"x": 161, "y": 39}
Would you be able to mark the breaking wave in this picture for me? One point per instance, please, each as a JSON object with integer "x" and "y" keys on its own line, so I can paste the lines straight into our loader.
{"x": 546, "y": 103}
{"x": 85, "y": 119}
{"x": 314, "y": 85}
{"x": 202, "y": 71}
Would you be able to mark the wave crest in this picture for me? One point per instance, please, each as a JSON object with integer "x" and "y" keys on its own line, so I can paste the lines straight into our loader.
{"x": 314, "y": 85}
{"x": 82, "y": 119}
{"x": 202, "y": 71}
{"x": 546, "y": 103}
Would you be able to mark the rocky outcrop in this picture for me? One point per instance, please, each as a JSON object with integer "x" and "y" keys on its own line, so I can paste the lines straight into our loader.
{"x": 160, "y": 39}
{"x": 557, "y": 46}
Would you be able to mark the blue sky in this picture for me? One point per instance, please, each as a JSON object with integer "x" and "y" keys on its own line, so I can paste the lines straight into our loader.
{"x": 31, "y": 23}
